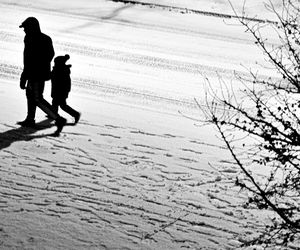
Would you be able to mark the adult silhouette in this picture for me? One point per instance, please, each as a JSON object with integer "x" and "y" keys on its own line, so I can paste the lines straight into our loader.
{"x": 37, "y": 57}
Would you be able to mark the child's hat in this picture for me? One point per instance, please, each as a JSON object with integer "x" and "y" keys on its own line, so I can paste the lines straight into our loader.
{"x": 61, "y": 59}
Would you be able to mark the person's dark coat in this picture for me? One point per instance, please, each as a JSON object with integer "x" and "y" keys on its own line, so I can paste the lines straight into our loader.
{"x": 60, "y": 78}
{"x": 38, "y": 52}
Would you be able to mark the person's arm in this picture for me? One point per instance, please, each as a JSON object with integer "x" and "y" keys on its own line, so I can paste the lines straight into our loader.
{"x": 23, "y": 78}
{"x": 51, "y": 50}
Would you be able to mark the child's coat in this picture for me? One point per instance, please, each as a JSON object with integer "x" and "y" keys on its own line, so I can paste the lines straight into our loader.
{"x": 60, "y": 78}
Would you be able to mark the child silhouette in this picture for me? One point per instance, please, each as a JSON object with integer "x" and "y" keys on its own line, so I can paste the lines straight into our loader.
{"x": 61, "y": 86}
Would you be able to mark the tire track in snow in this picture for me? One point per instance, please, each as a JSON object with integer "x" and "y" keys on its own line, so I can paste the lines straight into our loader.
{"x": 193, "y": 11}
{"x": 110, "y": 88}
{"x": 126, "y": 57}
{"x": 106, "y": 89}
{"x": 123, "y": 56}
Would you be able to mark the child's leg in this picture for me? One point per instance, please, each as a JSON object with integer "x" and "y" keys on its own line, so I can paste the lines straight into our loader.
{"x": 65, "y": 107}
{"x": 55, "y": 104}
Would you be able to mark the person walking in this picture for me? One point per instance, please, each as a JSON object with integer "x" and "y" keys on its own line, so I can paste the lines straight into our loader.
{"x": 61, "y": 86}
{"x": 37, "y": 56}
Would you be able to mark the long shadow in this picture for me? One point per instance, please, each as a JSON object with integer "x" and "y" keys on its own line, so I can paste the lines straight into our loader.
{"x": 24, "y": 134}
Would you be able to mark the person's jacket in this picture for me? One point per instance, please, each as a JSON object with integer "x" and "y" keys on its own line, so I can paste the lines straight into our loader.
{"x": 61, "y": 81}
{"x": 37, "y": 57}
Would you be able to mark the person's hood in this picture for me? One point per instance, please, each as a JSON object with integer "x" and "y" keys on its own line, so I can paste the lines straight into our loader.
{"x": 31, "y": 24}
{"x": 61, "y": 60}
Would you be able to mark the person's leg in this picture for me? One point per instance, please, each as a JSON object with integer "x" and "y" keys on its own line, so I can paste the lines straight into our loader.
{"x": 55, "y": 105}
{"x": 31, "y": 104}
{"x": 31, "y": 107}
{"x": 38, "y": 89}
{"x": 65, "y": 107}
{"x": 60, "y": 122}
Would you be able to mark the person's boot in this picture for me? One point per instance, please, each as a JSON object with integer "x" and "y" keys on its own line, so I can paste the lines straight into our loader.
{"x": 60, "y": 123}
{"x": 77, "y": 118}
{"x": 29, "y": 123}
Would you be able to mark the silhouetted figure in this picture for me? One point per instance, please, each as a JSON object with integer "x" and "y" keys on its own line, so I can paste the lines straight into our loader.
{"x": 61, "y": 86}
{"x": 38, "y": 53}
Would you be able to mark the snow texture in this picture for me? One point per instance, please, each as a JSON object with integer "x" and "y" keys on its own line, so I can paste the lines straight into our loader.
{"x": 135, "y": 172}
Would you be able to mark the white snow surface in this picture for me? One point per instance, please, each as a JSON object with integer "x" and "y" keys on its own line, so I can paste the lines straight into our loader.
{"x": 135, "y": 172}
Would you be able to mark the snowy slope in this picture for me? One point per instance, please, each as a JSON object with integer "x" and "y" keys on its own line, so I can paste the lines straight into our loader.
{"x": 134, "y": 173}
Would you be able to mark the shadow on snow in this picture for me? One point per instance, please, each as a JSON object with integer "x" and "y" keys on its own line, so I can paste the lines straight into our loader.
{"x": 24, "y": 133}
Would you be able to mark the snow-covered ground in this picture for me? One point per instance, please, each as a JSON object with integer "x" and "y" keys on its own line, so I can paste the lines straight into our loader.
{"x": 135, "y": 173}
